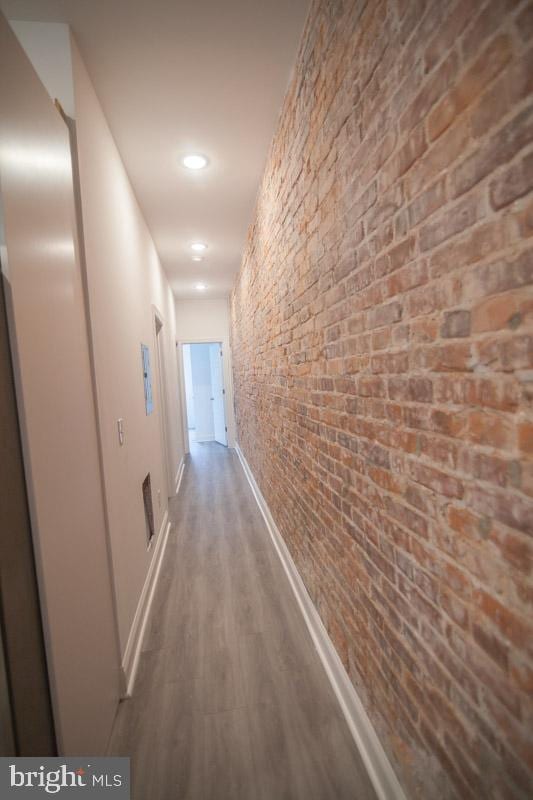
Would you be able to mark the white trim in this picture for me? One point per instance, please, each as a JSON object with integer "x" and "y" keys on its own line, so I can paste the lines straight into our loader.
{"x": 130, "y": 661}
{"x": 183, "y": 399}
{"x": 161, "y": 406}
{"x": 375, "y": 759}
{"x": 179, "y": 476}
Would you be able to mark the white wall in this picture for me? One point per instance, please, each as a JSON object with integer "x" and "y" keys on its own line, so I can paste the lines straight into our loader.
{"x": 55, "y": 393}
{"x": 125, "y": 282}
{"x": 202, "y": 319}
{"x": 208, "y": 320}
{"x": 125, "y": 287}
{"x": 47, "y": 45}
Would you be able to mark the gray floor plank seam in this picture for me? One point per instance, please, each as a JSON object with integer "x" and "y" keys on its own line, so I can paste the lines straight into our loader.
{"x": 231, "y": 701}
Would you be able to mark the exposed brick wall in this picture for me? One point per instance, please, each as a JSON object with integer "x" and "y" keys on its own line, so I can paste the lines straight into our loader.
{"x": 382, "y": 341}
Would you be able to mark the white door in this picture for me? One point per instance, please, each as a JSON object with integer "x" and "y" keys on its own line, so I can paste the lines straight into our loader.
{"x": 217, "y": 393}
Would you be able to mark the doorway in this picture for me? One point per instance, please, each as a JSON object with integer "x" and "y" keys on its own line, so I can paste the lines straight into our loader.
{"x": 26, "y": 724}
{"x": 204, "y": 392}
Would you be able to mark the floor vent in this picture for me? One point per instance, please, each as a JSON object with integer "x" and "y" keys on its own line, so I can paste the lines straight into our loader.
{"x": 148, "y": 508}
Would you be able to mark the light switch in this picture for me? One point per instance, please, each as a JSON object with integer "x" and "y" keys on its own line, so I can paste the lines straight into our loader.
{"x": 121, "y": 434}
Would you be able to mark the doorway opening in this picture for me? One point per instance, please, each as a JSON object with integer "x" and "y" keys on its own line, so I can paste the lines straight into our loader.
{"x": 204, "y": 392}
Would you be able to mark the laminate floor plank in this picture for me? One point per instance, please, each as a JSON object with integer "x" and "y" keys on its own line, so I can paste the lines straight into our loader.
{"x": 231, "y": 701}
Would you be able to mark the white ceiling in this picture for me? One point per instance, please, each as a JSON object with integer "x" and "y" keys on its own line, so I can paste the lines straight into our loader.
{"x": 179, "y": 76}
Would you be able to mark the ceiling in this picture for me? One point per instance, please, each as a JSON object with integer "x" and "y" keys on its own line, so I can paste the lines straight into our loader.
{"x": 180, "y": 76}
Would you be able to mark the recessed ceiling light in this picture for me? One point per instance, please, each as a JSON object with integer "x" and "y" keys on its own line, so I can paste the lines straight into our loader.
{"x": 200, "y": 287}
{"x": 194, "y": 161}
{"x": 197, "y": 258}
{"x": 198, "y": 247}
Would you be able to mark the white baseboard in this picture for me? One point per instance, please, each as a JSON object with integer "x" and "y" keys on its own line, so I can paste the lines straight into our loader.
{"x": 179, "y": 476}
{"x": 130, "y": 661}
{"x": 375, "y": 759}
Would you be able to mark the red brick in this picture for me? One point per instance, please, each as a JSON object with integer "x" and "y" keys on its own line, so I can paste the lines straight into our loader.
{"x": 420, "y": 389}
{"x": 440, "y": 156}
{"x": 526, "y": 477}
{"x": 499, "y": 276}
{"x": 470, "y": 85}
{"x": 440, "y": 482}
{"x": 514, "y": 182}
{"x": 525, "y": 437}
{"x": 490, "y": 429}
{"x": 510, "y": 309}
{"x": 512, "y": 509}
{"x": 508, "y": 623}
{"x": 498, "y": 149}
{"x": 515, "y": 548}
{"x": 501, "y": 393}
{"x": 455, "y": 324}
{"x": 489, "y": 110}
{"x": 490, "y": 17}
{"x": 477, "y": 244}
{"x": 447, "y": 33}
{"x": 450, "y": 222}
{"x": 524, "y": 23}
{"x": 492, "y": 469}
{"x": 433, "y": 89}
{"x": 512, "y": 86}
{"x": 453, "y": 357}
{"x": 492, "y": 645}
{"x": 460, "y": 788}
{"x": 382, "y": 354}
{"x": 507, "y": 354}
{"x": 395, "y": 258}
{"x": 385, "y": 315}
{"x": 405, "y": 157}
{"x": 427, "y": 202}
{"x": 522, "y": 221}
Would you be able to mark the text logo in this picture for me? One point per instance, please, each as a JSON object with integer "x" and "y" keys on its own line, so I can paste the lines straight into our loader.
{"x": 29, "y": 777}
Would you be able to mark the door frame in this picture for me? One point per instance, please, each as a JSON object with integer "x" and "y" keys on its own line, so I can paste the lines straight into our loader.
{"x": 25, "y": 678}
{"x": 158, "y": 322}
{"x": 181, "y": 374}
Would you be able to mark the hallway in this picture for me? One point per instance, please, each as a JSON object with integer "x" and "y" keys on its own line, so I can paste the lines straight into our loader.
{"x": 231, "y": 700}
{"x": 266, "y": 392}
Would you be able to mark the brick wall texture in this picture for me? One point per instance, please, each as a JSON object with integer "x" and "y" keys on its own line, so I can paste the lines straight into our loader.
{"x": 382, "y": 334}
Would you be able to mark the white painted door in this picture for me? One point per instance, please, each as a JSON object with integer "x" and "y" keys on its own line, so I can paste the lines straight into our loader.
{"x": 217, "y": 393}
{"x": 201, "y": 392}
